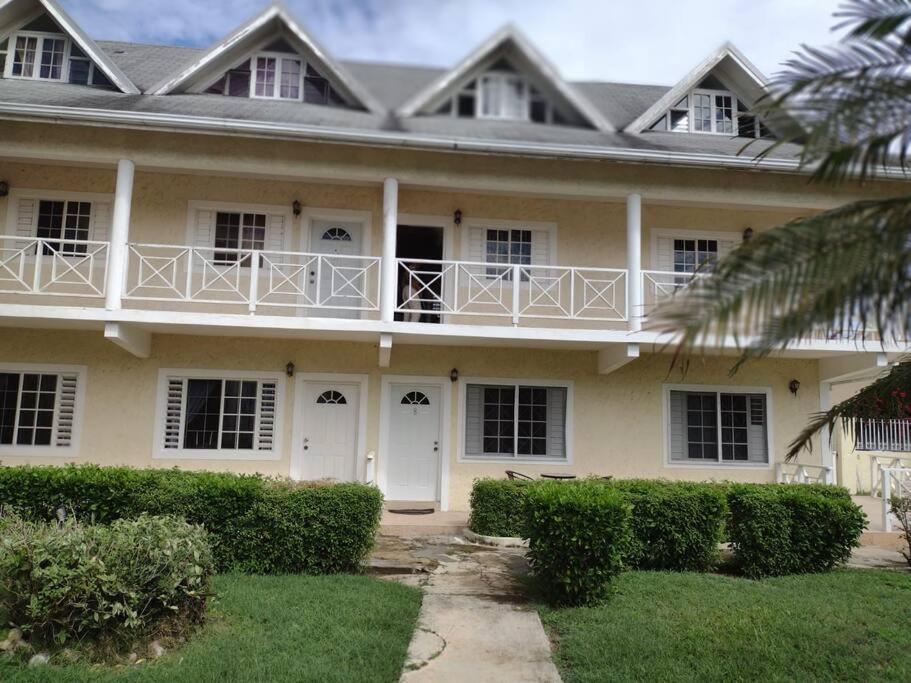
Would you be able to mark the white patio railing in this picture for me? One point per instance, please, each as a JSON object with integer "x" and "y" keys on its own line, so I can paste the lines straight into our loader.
{"x": 894, "y": 482}
{"x": 252, "y": 277}
{"x": 516, "y": 292}
{"x": 659, "y": 286}
{"x": 53, "y": 267}
{"x": 796, "y": 473}
{"x": 880, "y": 462}
{"x": 883, "y": 435}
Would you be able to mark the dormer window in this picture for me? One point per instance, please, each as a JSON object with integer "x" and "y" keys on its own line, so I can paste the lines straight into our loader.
{"x": 278, "y": 77}
{"x": 504, "y": 95}
{"x": 37, "y": 56}
{"x": 711, "y": 111}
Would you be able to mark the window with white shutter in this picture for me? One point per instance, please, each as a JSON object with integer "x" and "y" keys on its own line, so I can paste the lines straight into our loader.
{"x": 218, "y": 415}
{"x": 39, "y": 409}
{"x": 516, "y": 420}
{"x": 509, "y": 244}
{"x": 225, "y": 232}
{"x": 687, "y": 252}
{"x": 720, "y": 427}
{"x": 66, "y": 220}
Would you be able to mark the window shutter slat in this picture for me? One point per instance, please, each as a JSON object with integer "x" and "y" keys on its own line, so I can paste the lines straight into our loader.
{"x": 173, "y": 425}
{"x": 101, "y": 221}
{"x": 26, "y": 217}
{"x": 678, "y": 425}
{"x": 725, "y": 247}
{"x": 540, "y": 248}
{"x": 474, "y": 419}
{"x": 757, "y": 433}
{"x": 265, "y": 437}
{"x": 665, "y": 254}
{"x": 556, "y": 422}
{"x": 205, "y": 228}
{"x": 476, "y": 244}
{"x": 275, "y": 233}
{"x": 66, "y": 410}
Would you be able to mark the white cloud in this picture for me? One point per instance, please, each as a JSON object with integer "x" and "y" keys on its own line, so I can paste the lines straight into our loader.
{"x": 646, "y": 42}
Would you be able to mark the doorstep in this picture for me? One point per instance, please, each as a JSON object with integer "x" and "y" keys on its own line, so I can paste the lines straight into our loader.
{"x": 437, "y": 523}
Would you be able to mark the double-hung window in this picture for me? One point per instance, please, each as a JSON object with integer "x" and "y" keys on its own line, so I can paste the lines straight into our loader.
{"x": 236, "y": 232}
{"x": 38, "y": 409}
{"x": 515, "y": 420}
{"x": 713, "y": 112}
{"x": 64, "y": 225}
{"x": 715, "y": 426}
{"x": 219, "y": 415}
{"x": 277, "y": 77}
{"x": 38, "y": 56}
{"x": 691, "y": 255}
{"x": 509, "y": 248}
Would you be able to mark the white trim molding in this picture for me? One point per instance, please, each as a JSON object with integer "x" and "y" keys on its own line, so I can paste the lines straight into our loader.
{"x": 73, "y": 449}
{"x": 159, "y": 452}
{"x": 568, "y": 424}
{"x": 297, "y": 423}
{"x": 445, "y": 386}
{"x": 666, "y": 390}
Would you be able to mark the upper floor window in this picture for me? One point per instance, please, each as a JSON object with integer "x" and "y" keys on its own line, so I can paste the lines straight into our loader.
{"x": 501, "y": 93}
{"x": 48, "y": 57}
{"x": 708, "y": 110}
{"x": 277, "y": 75}
{"x": 235, "y": 231}
{"x": 67, "y": 221}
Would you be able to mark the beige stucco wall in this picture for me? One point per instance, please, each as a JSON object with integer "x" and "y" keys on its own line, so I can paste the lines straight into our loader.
{"x": 617, "y": 419}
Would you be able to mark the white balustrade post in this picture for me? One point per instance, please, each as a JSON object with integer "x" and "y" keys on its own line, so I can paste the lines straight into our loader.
{"x": 389, "y": 280}
{"x": 825, "y": 402}
{"x": 516, "y": 301}
{"x": 634, "y": 261}
{"x": 254, "y": 281}
{"x": 120, "y": 235}
{"x": 887, "y": 495}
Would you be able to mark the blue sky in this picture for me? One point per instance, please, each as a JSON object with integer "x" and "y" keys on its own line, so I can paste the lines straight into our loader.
{"x": 644, "y": 41}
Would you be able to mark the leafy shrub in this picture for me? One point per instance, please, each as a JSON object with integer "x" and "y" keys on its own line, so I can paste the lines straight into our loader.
{"x": 675, "y": 526}
{"x": 791, "y": 529}
{"x": 497, "y": 507}
{"x": 109, "y": 583}
{"x": 900, "y": 506}
{"x": 255, "y": 524}
{"x": 578, "y": 535}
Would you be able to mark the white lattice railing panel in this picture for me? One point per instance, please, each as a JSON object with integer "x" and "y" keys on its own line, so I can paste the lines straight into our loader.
{"x": 53, "y": 267}
{"x": 895, "y": 482}
{"x": 659, "y": 286}
{"x": 796, "y": 473}
{"x": 254, "y": 278}
{"x": 518, "y": 292}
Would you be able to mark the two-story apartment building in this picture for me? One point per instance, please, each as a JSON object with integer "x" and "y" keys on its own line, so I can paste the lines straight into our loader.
{"x": 256, "y": 257}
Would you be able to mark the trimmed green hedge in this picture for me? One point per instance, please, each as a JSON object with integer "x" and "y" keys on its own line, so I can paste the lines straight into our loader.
{"x": 105, "y": 584}
{"x": 255, "y": 525}
{"x": 577, "y": 536}
{"x": 791, "y": 530}
{"x": 497, "y": 507}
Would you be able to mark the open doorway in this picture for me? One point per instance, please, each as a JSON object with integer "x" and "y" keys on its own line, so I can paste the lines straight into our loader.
{"x": 420, "y": 286}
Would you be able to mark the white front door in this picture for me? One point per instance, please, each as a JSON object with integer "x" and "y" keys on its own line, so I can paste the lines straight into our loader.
{"x": 413, "y": 470}
{"x": 327, "y": 447}
{"x": 342, "y": 282}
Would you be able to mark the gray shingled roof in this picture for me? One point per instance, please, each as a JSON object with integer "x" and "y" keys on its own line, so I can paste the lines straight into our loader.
{"x": 392, "y": 85}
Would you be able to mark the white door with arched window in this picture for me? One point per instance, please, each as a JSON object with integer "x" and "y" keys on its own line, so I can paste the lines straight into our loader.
{"x": 326, "y": 442}
{"x": 414, "y": 442}
{"x": 339, "y": 284}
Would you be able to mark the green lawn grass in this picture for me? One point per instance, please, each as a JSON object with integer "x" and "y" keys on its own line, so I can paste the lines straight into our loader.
{"x": 848, "y": 625}
{"x": 276, "y": 628}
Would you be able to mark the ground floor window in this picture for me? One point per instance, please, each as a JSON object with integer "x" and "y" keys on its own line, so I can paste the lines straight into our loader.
{"x": 516, "y": 421}
{"x": 37, "y": 408}
{"x": 718, "y": 426}
{"x": 225, "y": 415}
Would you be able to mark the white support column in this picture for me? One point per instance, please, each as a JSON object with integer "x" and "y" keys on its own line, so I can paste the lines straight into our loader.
{"x": 120, "y": 235}
{"x": 634, "y": 261}
{"x": 825, "y": 402}
{"x": 389, "y": 269}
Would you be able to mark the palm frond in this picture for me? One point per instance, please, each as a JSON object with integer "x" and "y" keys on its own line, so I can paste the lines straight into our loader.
{"x": 886, "y": 398}
{"x": 845, "y": 268}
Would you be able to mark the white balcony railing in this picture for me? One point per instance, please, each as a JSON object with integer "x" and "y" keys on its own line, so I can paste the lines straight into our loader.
{"x": 883, "y": 435}
{"x": 659, "y": 286}
{"x": 895, "y": 482}
{"x": 252, "y": 278}
{"x": 515, "y": 292}
{"x": 53, "y": 267}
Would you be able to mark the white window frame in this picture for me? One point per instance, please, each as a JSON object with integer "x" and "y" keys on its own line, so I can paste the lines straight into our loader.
{"x": 717, "y": 464}
{"x": 501, "y": 77}
{"x": 159, "y": 452}
{"x": 276, "y": 89}
{"x": 685, "y": 234}
{"x": 462, "y": 457}
{"x": 71, "y": 451}
{"x": 712, "y": 107}
{"x": 41, "y": 36}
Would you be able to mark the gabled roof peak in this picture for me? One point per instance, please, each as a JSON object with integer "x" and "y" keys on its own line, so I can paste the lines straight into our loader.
{"x": 508, "y": 34}
{"x": 245, "y": 35}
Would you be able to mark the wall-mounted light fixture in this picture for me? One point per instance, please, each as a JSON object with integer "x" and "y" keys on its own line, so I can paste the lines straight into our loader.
{"x": 747, "y": 234}
{"x": 4, "y": 188}
{"x": 794, "y": 386}
{"x": 289, "y": 369}
{"x": 454, "y": 375}
{"x": 457, "y": 217}
{"x": 296, "y": 207}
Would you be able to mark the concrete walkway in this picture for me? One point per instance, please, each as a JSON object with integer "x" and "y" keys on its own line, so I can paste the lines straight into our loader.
{"x": 475, "y": 625}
